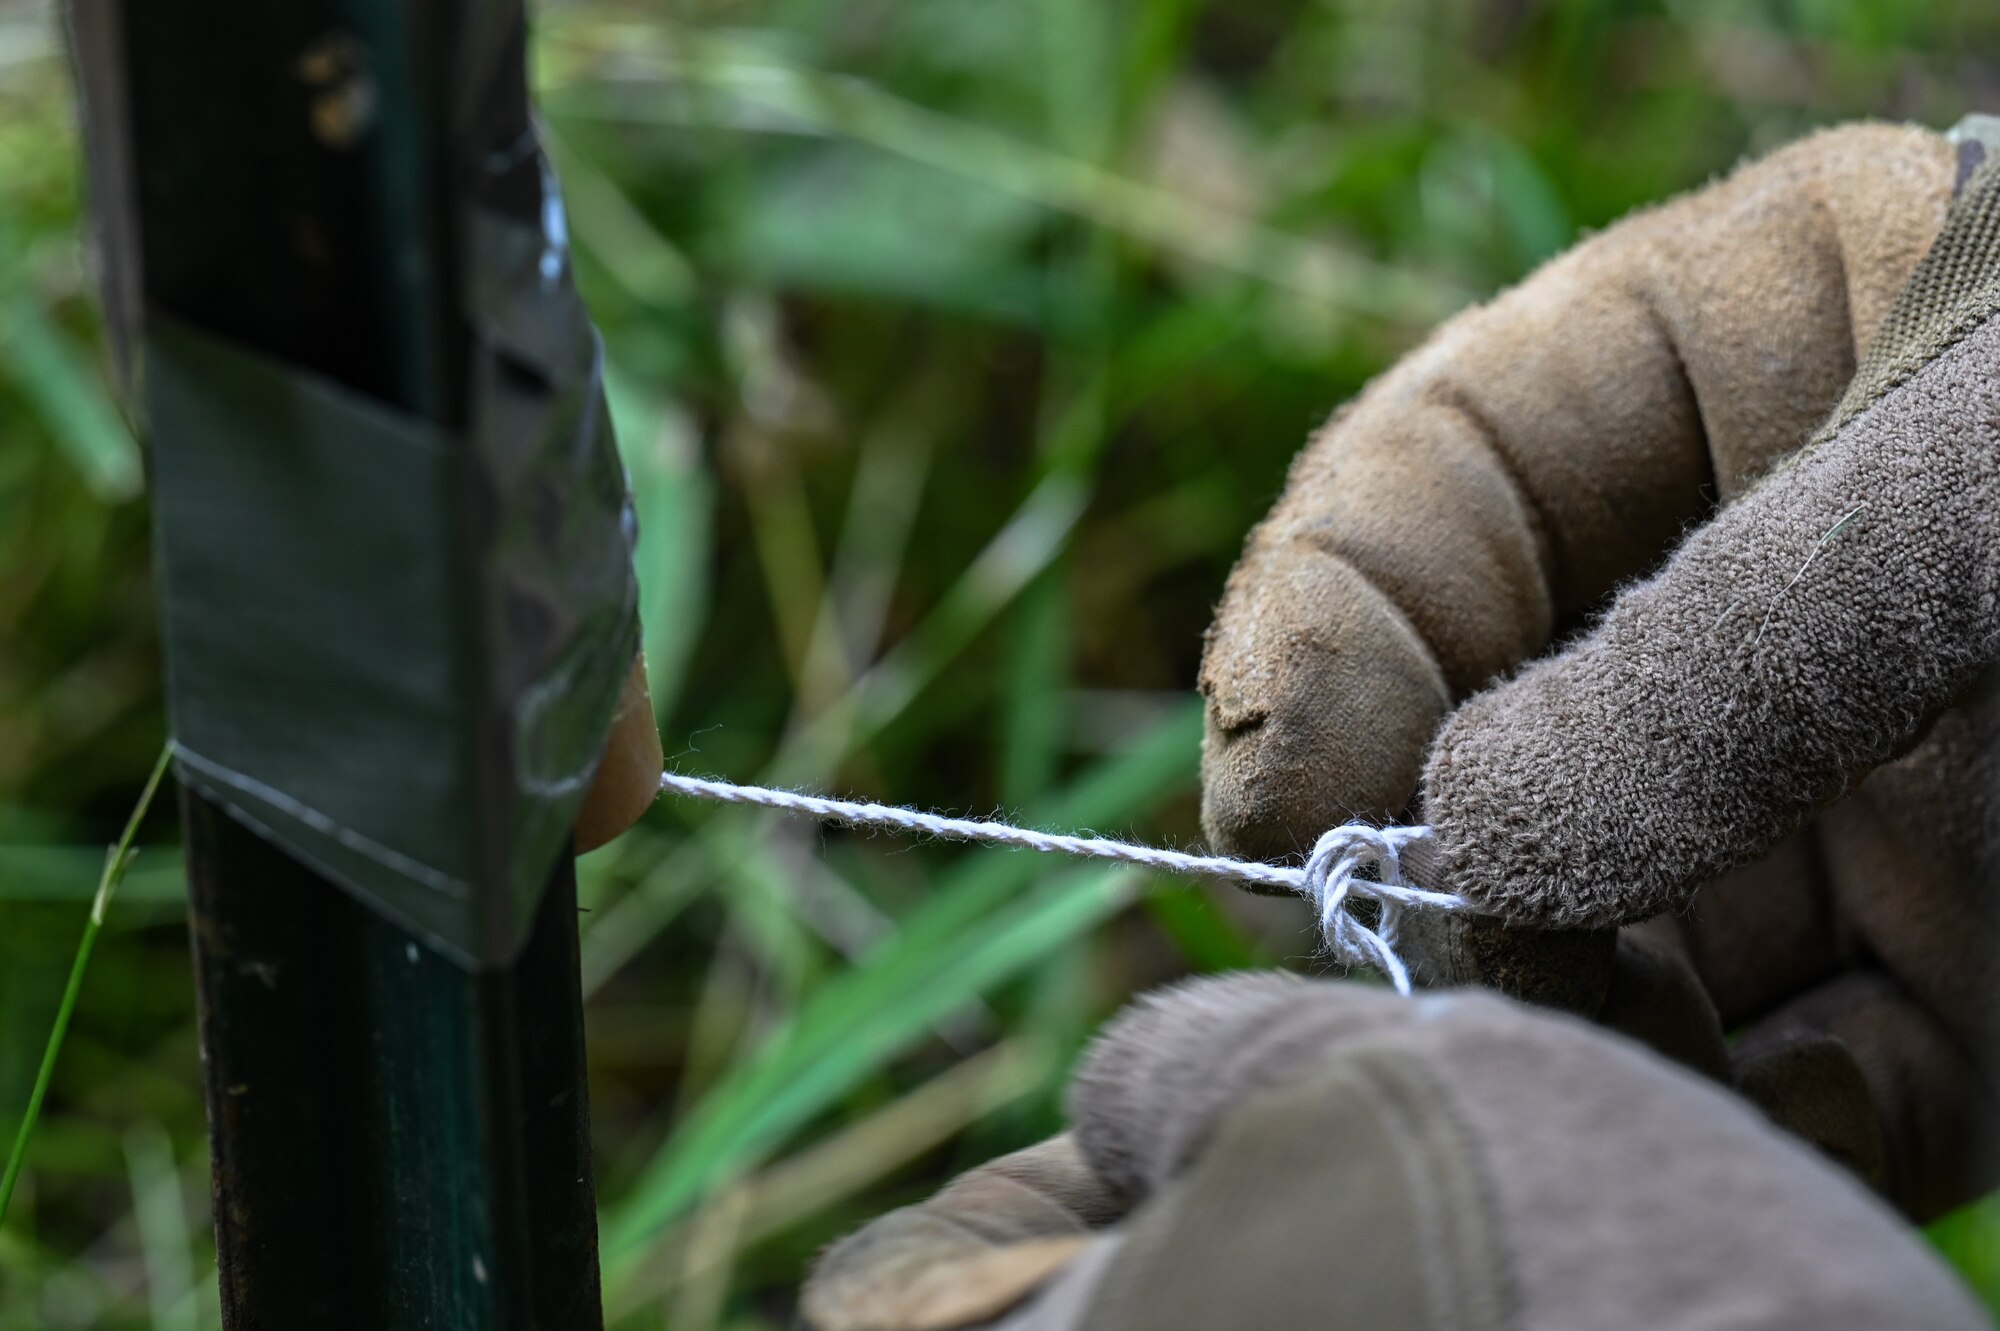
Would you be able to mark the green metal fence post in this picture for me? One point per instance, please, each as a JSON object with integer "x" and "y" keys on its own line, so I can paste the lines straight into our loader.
{"x": 400, "y": 1137}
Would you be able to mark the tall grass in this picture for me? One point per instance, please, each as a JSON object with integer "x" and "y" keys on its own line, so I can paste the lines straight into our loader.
{"x": 954, "y": 347}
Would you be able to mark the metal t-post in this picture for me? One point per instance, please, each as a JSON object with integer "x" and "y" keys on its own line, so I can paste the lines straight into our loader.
{"x": 400, "y": 1139}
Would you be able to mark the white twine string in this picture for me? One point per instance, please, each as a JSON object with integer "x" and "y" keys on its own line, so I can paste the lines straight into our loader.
{"x": 1331, "y": 878}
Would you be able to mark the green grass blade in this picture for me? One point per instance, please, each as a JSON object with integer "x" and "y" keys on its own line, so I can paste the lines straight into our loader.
{"x": 160, "y": 1210}
{"x": 61, "y": 873}
{"x": 1969, "y": 1239}
{"x": 115, "y": 865}
{"x": 55, "y": 375}
{"x": 1032, "y": 725}
{"x": 1032, "y": 539}
{"x": 1021, "y": 550}
{"x": 674, "y": 496}
{"x": 607, "y": 222}
{"x": 955, "y": 945}
{"x": 1314, "y": 270}
{"x": 882, "y": 502}
{"x": 1205, "y": 936}
{"x": 964, "y": 899}
{"x": 714, "y": 1147}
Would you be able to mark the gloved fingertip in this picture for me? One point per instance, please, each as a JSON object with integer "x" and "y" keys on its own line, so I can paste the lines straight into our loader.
{"x": 628, "y": 775}
{"x": 1137, "y": 1082}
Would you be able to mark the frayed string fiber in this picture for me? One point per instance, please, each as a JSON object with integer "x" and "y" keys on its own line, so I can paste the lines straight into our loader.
{"x": 1331, "y": 878}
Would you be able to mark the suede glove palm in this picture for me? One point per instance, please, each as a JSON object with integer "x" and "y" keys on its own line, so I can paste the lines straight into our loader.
{"x": 1264, "y": 1152}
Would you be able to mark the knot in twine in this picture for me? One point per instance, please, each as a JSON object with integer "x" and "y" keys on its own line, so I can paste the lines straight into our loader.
{"x": 1332, "y": 880}
{"x": 1351, "y": 863}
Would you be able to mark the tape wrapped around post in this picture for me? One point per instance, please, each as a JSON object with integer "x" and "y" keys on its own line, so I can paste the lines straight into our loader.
{"x": 412, "y": 703}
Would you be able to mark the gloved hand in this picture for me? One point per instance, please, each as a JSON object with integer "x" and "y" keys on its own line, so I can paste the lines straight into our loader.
{"x": 1264, "y": 1152}
{"x": 1785, "y": 742}
{"x": 628, "y": 775}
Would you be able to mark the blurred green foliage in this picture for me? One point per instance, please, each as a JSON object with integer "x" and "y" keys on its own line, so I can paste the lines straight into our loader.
{"x": 954, "y": 347}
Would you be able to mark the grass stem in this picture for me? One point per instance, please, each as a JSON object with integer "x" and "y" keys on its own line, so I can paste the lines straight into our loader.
{"x": 115, "y": 863}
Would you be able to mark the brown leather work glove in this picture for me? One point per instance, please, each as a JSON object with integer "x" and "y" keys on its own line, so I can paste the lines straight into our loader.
{"x": 1263, "y": 1152}
{"x": 1785, "y": 743}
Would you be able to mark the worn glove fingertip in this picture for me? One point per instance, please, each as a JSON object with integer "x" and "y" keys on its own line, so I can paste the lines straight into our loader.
{"x": 1321, "y": 700}
{"x": 1130, "y": 1098}
{"x": 628, "y": 775}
